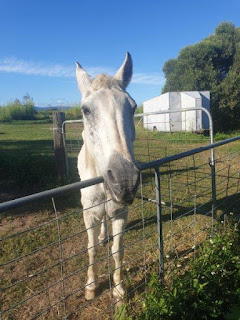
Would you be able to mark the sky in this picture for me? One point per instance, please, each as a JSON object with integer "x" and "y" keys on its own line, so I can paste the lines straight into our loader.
{"x": 40, "y": 40}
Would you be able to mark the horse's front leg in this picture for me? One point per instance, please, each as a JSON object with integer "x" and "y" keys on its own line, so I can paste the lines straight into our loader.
{"x": 118, "y": 227}
{"x": 92, "y": 224}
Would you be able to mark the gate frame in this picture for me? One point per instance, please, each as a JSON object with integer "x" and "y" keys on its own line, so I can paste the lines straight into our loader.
{"x": 141, "y": 115}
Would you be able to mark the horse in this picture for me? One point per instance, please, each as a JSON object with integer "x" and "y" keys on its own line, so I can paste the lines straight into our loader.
{"x": 107, "y": 151}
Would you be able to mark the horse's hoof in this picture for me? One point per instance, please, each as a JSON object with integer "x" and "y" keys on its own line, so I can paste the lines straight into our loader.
{"x": 102, "y": 243}
{"x": 118, "y": 295}
{"x": 89, "y": 294}
{"x": 119, "y": 302}
{"x": 118, "y": 292}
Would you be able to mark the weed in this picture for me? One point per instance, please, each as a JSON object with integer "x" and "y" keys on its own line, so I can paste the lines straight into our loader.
{"x": 208, "y": 289}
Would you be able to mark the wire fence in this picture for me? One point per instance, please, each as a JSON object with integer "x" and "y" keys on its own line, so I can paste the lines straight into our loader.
{"x": 44, "y": 255}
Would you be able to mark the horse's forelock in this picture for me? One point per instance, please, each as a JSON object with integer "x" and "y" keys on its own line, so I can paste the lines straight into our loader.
{"x": 106, "y": 82}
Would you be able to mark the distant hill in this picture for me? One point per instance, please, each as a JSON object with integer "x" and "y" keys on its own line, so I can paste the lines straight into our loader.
{"x": 58, "y": 108}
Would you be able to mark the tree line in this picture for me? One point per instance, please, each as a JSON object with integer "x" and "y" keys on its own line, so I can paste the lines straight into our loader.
{"x": 25, "y": 109}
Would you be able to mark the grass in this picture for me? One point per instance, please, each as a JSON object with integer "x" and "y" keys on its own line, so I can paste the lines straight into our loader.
{"x": 27, "y": 157}
{"x": 29, "y": 164}
{"x": 26, "y": 154}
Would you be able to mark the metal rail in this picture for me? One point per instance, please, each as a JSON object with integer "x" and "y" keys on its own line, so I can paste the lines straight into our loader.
{"x": 159, "y": 162}
{"x": 49, "y": 193}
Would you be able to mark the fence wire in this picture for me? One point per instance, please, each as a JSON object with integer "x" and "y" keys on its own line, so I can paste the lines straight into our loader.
{"x": 44, "y": 254}
{"x": 44, "y": 266}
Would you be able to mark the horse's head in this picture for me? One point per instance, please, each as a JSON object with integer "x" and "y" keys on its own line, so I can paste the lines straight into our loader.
{"x": 108, "y": 113}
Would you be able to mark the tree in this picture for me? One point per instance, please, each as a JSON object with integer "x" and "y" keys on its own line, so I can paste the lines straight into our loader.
{"x": 17, "y": 102}
{"x": 212, "y": 64}
{"x": 27, "y": 100}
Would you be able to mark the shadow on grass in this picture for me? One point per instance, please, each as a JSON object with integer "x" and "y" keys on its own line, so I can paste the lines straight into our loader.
{"x": 149, "y": 174}
{"x": 33, "y": 147}
{"x": 27, "y": 167}
{"x": 225, "y": 204}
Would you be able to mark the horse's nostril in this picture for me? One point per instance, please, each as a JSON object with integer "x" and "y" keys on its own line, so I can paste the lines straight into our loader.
{"x": 113, "y": 182}
{"x": 122, "y": 179}
{"x": 111, "y": 177}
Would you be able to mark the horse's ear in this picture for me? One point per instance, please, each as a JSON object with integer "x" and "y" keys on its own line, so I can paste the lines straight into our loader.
{"x": 124, "y": 73}
{"x": 83, "y": 79}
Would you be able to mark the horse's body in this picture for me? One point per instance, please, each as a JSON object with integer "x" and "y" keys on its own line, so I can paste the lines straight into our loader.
{"x": 108, "y": 136}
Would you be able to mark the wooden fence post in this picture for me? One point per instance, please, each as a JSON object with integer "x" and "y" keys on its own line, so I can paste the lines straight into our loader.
{"x": 60, "y": 157}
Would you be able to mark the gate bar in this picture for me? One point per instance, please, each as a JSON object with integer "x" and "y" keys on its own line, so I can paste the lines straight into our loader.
{"x": 49, "y": 193}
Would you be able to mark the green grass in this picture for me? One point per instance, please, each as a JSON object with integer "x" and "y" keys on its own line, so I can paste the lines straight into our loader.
{"x": 26, "y": 154}
{"x": 28, "y": 162}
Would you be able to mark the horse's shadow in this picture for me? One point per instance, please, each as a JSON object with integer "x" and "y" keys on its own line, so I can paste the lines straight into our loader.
{"x": 224, "y": 204}
{"x": 149, "y": 174}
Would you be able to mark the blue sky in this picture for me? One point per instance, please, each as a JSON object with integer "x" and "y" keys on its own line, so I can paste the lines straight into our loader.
{"x": 41, "y": 40}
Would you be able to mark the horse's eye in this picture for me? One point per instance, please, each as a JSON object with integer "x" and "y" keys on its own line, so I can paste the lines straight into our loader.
{"x": 86, "y": 111}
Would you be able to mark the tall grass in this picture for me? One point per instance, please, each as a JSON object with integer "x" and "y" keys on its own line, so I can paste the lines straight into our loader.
{"x": 17, "y": 111}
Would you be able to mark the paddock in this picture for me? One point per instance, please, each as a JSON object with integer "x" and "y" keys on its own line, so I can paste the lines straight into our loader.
{"x": 44, "y": 241}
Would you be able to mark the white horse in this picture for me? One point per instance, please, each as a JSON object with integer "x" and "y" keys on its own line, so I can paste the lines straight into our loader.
{"x": 108, "y": 113}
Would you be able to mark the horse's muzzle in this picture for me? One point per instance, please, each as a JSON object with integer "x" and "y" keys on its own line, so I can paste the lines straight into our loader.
{"x": 122, "y": 179}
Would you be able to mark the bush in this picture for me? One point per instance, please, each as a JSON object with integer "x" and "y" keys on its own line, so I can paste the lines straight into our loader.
{"x": 44, "y": 114}
{"x": 208, "y": 289}
{"x": 73, "y": 113}
{"x": 139, "y": 109}
{"x": 17, "y": 111}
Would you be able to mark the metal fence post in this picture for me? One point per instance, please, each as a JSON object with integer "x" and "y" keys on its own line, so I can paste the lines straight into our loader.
{"x": 159, "y": 222}
{"x": 214, "y": 191}
{"x": 65, "y": 146}
{"x": 213, "y": 173}
{"x": 59, "y": 150}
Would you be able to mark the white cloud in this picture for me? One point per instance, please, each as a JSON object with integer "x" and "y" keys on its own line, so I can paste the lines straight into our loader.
{"x": 148, "y": 78}
{"x": 13, "y": 65}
